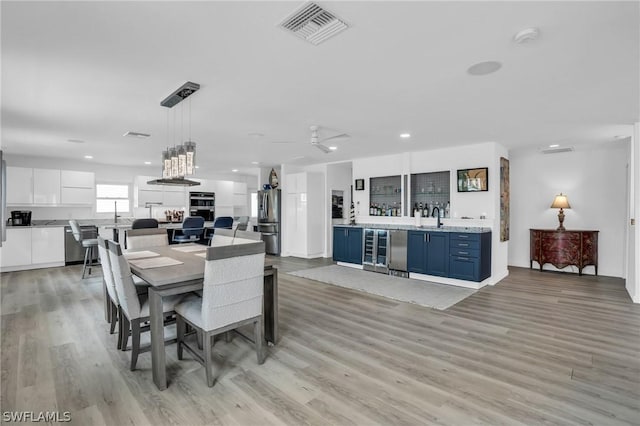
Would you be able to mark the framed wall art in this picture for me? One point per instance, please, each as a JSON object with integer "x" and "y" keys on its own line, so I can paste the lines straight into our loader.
{"x": 473, "y": 180}
{"x": 359, "y": 184}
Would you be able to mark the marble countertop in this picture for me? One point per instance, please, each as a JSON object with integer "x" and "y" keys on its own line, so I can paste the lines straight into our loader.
{"x": 444, "y": 228}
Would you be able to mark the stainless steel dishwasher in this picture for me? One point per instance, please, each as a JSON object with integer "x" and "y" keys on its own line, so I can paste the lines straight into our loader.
{"x": 398, "y": 253}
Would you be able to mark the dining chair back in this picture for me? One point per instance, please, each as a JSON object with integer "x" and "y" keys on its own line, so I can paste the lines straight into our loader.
{"x": 248, "y": 235}
{"x": 144, "y": 223}
{"x": 146, "y": 237}
{"x": 232, "y": 297}
{"x": 109, "y": 284}
{"x": 223, "y": 222}
{"x": 192, "y": 230}
{"x": 123, "y": 280}
{"x": 243, "y": 221}
{"x": 89, "y": 245}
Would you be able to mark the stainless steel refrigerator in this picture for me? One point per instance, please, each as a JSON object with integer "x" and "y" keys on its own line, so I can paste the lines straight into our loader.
{"x": 3, "y": 200}
{"x": 269, "y": 219}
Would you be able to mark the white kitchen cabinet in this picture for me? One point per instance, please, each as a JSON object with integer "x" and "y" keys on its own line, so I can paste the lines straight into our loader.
{"x": 77, "y": 187}
{"x": 47, "y": 245}
{"x": 46, "y": 186}
{"x": 19, "y": 186}
{"x": 16, "y": 250}
{"x": 304, "y": 215}
{"x": 149, "y": 196}
{"x": 75, "y": 179}
{"x": 224, "y": 194}
{"x": 174, "y": 198}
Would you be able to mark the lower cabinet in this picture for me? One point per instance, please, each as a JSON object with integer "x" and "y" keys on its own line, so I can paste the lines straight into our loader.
{"x": 347, "y": 244}
{"x": 30, "y": 248}
{"x": 427, "y": 253}
{"x": 470, "y": 256}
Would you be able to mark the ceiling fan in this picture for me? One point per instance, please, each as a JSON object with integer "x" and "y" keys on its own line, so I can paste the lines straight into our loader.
{"x": 318, "y": 143}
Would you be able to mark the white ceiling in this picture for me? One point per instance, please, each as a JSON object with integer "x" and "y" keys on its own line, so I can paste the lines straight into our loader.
{"x": 94, "y": 70}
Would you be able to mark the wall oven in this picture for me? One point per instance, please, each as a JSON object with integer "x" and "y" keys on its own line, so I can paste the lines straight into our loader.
{"x": 202, "y": 204}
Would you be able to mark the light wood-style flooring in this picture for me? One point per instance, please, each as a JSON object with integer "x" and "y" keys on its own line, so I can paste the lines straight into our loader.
{"x": 538, "y": 348}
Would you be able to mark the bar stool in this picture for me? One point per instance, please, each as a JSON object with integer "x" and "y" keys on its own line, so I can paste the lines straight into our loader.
{"x": 90, "y": 245}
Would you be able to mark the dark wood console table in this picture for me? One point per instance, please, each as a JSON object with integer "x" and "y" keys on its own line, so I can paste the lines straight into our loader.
{"x": 564, "y": 248}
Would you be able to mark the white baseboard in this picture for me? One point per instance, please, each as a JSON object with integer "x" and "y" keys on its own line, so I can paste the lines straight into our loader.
{"x": 449, "y": 281}
{"x": 27, "y": 267}
{"x": 350, "y": 265}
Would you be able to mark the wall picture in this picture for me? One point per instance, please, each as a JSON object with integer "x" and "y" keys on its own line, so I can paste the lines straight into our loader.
{"x": 504, "y": 199}
{"x": 359, "y": 184}
{"x": 473, "y": 180}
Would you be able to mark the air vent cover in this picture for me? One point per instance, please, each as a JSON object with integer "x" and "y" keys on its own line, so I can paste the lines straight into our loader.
{"x": 313, "y": 24}
{"x": 557, "y": 150}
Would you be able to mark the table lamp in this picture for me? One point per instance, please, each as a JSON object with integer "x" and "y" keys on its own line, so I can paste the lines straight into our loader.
{"x": 560, "y": 202}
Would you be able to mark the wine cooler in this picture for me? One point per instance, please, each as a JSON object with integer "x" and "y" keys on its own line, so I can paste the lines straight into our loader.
{"x": 375, "y": 253}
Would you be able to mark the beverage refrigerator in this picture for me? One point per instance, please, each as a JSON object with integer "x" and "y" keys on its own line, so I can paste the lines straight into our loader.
{"x": 269, "y": 219}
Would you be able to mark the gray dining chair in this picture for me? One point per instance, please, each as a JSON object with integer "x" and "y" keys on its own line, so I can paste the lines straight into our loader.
{"x": 232, "y": 297}
{"x": 248, "y": 235}
{"x": 107, "y": 279}
{"x": 146, "y": 237}
{"x": 89, "y": 245}
{"x": 134, "y": 307}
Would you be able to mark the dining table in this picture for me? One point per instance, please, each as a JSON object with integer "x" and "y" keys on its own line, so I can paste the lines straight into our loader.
{"x": 184, "y": 273}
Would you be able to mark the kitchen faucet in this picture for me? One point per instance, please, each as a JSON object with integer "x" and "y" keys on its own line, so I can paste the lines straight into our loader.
{"x": 439, "y": 224}
{"x": 150, "y": 205}
{"x": 115, "y": 212}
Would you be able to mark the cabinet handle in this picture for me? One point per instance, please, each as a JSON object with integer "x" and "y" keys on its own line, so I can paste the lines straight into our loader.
{"x": 425, "y": 238}
{"x": 464, "y": 252}
{"x": 463, "y": 245}
{"x": 463, "y": 258}
{"x": 462, "y": 236}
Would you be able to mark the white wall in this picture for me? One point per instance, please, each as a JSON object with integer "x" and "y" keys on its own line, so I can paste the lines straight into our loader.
{"x": 633, "y": 240}
{"x": 594, "y": 180}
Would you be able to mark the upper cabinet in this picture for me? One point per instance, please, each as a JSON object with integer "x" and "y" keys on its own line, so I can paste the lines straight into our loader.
{"x": 19, "y": 185}
{"x": 49, "y": 187}
{"x": 165, "y": 195}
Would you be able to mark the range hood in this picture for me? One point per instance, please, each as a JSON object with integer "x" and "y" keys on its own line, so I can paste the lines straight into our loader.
{"x": 173, "y": 182}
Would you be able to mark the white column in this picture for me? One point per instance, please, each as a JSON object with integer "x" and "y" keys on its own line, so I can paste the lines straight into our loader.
{"x": 633, "y": 249}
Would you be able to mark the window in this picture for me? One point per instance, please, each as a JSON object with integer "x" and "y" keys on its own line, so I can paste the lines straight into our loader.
{"x": 108, "y": 197}
{"x": 254, "y": 204}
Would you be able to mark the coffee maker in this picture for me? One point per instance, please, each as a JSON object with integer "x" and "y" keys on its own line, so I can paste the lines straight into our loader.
{"x": 21, "y": 218}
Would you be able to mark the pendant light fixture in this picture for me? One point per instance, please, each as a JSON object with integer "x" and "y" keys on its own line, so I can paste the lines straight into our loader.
{"x": 180, "y": 160}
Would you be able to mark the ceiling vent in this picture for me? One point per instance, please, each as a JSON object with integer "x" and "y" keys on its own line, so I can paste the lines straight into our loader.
{"x": 313, "y": 24}
{"x": 557, "y": 150}
{"x": 136, "y": 135}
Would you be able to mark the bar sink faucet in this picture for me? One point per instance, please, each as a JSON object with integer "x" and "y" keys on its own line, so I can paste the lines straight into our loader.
{"x": 438, "y": 223}
{"x": 115, "y": 212}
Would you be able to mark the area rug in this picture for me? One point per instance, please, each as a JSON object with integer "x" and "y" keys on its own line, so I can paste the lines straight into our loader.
{"x": 424, "y": 293}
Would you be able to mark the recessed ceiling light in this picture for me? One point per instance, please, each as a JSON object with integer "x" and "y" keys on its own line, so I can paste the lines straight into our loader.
{"x": 484, "y": 68}
{"x": 256, "y": 134}
{"x": 234, "y": 170}
{"x": 88, "y": 157}
{"x": 75, "y": 140}
{"x": 333, "y": 148}
{"x": 555, "y": 145}
{"x": 147, "y": 162}
{"x": 405, "y": 135}
{"x": 197, "y": 167}
{"x": 255, "y": 162}
{"x": 136, "y": 134}
{"x": 526, "y": 35}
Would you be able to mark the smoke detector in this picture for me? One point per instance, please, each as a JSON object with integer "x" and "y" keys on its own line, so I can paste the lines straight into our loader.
{"x": 526, "y": 35}
{"x": 313, "y": 23}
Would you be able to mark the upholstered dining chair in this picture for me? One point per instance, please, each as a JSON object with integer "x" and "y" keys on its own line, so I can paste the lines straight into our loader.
{"x": 248, "y": 235}
{"x": 89, "y": 245}
{"x": 146, "y": 237}
{"x": 232, "y": 297}
{"x": 192, "y": 230}
{"x": 134, "y": 307}
{"x": 144, "y": 223}
{"x": 223, "y": 222}
{"x": 107, "y": 278}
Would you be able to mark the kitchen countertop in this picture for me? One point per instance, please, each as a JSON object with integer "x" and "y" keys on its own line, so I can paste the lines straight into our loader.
{"x": 445, "y": 228}
{"x": 123, "y": 223}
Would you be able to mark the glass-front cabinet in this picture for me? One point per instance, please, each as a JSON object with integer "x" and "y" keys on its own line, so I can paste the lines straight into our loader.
{"x": 428, "y": 191}
{"x": 385, "y": 196}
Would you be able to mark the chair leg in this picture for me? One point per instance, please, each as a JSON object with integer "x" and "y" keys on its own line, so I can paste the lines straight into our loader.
{"x": 207, "y": 357}
{"x": 125, "y": 331}
{"x": 86, "y": 258}
{"x": 227, "y": 336}
{"x": 113, "y": 312}
{"x": 180, "y": 329}
{"x": 199, "y": 339}
{"x": 259, "y": 340}
{"x": 135, "y": 342}
{"x": 120, "y": 327}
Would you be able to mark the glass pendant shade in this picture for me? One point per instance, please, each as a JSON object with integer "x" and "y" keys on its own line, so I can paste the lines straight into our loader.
{"x": 182, "y": 160}
{"x": 166, "y": 164}
{"x": 174, "y": 161}
{"x": 190, "y": 148}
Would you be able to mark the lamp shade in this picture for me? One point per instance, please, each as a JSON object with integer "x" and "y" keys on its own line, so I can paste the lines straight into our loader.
{"x": 560, "y": 202}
